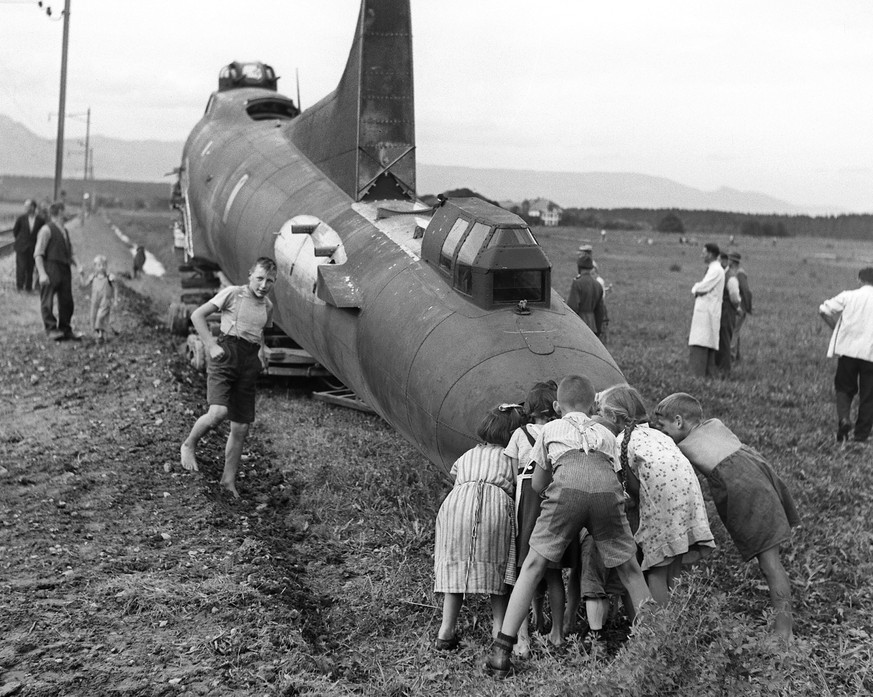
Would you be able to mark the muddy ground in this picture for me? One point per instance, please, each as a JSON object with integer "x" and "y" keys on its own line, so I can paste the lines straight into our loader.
{"x": 119, "y": 573}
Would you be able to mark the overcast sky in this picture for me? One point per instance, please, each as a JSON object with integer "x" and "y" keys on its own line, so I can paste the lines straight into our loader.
{"x": 765, "y": 95}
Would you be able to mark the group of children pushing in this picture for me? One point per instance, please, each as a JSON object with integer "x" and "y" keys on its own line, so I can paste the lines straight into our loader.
{"x": 591, "y": 482}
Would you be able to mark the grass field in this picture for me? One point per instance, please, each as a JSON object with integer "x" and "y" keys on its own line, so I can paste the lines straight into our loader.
{"x": 330, "y": 592}
{"x": 369, "y": 501}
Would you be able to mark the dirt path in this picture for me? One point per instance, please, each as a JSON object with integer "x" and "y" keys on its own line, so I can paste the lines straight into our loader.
{"x": 119, "y": 573}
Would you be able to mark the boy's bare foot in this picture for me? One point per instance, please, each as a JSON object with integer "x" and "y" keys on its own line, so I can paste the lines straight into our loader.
{"x": 783, "y": 627}
{"x": 231, "y": 487}
{"x": 189, "y": 462}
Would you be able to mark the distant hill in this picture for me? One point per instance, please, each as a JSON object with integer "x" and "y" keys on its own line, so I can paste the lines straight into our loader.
{"x": 599, "y": 190}
{"x": 24, "y": 153}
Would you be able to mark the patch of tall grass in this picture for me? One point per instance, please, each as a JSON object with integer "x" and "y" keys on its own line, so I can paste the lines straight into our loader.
{"x": 368, "y": 501}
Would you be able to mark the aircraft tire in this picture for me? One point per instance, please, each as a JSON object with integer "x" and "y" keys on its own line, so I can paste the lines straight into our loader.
{"x": 179, "y": 319}
{"x": 195, "y": 351}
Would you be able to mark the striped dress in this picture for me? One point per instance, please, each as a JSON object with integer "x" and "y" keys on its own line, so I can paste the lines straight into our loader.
{"x": 474, "y": 550}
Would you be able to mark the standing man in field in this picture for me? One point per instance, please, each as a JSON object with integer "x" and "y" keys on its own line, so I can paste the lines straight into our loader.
{"x": 53, "y": 256}
{"x": 236, "y": 357}
{"x": 25, "y": 230}
{"x": 850, "y": 315}
{"x": 730, "y": 307}
{"x": 706, "y": 319}
{"x": 587, "y": 251}
{"x": 586, "y": 299}
{"x": 734, "y": 259}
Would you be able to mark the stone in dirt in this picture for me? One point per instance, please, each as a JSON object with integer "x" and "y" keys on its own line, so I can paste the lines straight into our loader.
{"x": 10, "y": 688}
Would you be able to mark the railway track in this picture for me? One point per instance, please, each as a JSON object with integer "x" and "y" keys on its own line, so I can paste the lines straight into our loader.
{"x": 6, "y": 242}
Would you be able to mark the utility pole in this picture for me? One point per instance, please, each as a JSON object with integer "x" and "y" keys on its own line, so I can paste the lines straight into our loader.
{"x": 59, "y": 149}
{"x": 85, "y": 198}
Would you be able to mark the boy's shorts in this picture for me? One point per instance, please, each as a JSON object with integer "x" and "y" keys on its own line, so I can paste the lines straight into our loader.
{"x": 231, "y": 380}
{"x": 585, "y": 493}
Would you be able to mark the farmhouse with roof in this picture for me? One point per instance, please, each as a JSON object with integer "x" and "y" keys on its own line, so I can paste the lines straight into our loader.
{"x": 547, "y": 212}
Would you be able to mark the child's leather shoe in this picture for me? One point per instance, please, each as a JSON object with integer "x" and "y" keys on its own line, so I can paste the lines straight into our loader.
{"x": 498, "y": 663}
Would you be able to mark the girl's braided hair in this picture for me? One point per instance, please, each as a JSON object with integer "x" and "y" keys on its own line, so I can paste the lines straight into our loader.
{"x": 626, "y": 402}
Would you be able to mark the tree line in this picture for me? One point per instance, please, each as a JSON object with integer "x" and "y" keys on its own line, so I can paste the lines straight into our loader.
{"x": 848, "y": 226}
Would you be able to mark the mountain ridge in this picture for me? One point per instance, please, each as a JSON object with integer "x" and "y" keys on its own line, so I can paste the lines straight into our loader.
{"x": 24, "y": 153}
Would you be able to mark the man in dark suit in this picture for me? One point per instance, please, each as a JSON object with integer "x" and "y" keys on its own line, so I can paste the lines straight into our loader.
{"x": 54, "y": 257}
{"x": 25, "y": 230}
{"x": 586, "y": 298}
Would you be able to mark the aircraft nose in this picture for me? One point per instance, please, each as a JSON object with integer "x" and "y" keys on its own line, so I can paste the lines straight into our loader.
{"x": 507, "y": 377}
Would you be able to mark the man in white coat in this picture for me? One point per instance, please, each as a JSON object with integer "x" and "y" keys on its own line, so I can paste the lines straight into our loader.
{"x": 706, "y": 320}
{"x": 850, "y": 315}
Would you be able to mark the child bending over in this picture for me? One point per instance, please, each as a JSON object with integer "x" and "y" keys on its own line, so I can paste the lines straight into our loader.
{"x": 673, "y": 525}
{"x": 580, "y": 489}
{"x": 752, "y": 501}
{"x": 236, "y": 358}
{"x": 539, "y": 408}
{"x": 474, "y": 548}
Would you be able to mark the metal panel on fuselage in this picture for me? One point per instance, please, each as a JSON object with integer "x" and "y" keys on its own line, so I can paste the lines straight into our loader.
{"x": 514, "y": 372}
{"x": 489, "y": 360}
{"x": 392, "y": 332}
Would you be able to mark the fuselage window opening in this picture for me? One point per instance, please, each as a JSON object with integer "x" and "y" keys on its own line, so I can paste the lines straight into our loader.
{"x": 263, "y": 109}
{"x": 463, "y": 278}
{"x": 447, "y": 254}
{"x": 513, "y": 285}
{"x": 473, "y": 243}
{"x": 507, "y": 237}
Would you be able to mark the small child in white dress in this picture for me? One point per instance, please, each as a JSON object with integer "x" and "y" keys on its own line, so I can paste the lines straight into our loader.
{"x": 103, "y": 295}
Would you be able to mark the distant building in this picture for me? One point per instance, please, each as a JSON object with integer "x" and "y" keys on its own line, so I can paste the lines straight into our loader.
{"x": 547, "y": 212}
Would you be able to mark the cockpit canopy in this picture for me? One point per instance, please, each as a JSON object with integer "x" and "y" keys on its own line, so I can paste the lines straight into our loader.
{"x": 488, "y": 253}
{"x": 247, "y": 74}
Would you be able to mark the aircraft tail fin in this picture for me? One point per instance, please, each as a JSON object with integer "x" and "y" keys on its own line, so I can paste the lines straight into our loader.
{"x": 362, "y": 135}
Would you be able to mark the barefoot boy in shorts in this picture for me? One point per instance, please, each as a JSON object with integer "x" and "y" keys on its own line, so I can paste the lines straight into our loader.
{"x": 580, "y": 490}
{"x": 752, "y": 501}
{"x": 236, "y": 357}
